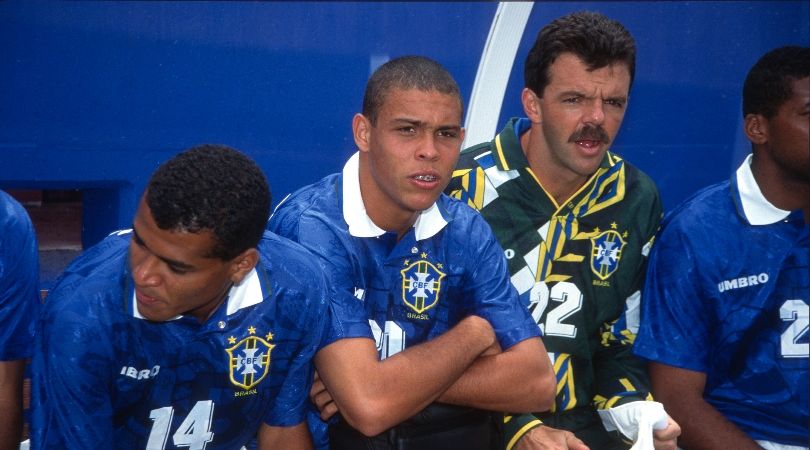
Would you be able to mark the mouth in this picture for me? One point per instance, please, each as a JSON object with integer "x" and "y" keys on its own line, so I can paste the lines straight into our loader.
{"x": 426, "y": 178}
{"x": 145, "y": 299}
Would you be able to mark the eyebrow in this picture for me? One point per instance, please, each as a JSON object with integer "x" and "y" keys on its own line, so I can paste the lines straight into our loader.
{"x": 420, "y": 124}
{"x": 171, "y": 262}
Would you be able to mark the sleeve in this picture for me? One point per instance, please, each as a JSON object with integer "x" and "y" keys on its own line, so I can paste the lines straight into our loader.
{"x": 291, "y": 405}
{"x": 71, "y": 369}
{"x": 19, "y": 283}
{"x": 516, "y": 426}
{"x": 620, "y": 376}
{"x": 489, "y": 287}
{"x": 316, "y": 234}
{"x": 675, "y": 317}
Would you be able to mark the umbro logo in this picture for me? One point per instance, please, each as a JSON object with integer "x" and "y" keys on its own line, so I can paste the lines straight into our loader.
{"x": 741, "y": 282}
{"x": 360, "y": 294}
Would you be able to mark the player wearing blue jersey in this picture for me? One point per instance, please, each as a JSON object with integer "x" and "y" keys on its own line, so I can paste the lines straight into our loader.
{"x": 419, "y": 273}
{"x": 19, "y": 304}
{"x": 193, "y": 330}
{"x": 725, "y": 318}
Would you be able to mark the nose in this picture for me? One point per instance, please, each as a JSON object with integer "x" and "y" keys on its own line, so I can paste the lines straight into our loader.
{"x": 144, "y": 270}
{"x": 427, "y": 148}
{"x": 595, "y": 114}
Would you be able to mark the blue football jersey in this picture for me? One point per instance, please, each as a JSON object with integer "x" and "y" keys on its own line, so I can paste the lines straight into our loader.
{"x": 104, "y": 376}
{"x": 402, "y": 293}
{"x": 19, "y": 278}
{"x": 727, "y": 295}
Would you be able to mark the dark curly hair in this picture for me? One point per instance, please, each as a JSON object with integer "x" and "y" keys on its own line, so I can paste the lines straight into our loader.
{"x": 406, "y": 72}
{"x": 212, "y": 187}
{"x": 596, "y": 39}
{"x": 768, "y": 84}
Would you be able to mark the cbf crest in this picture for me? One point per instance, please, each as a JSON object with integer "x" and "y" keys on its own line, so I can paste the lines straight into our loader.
{"x": 421, "y": 285}
{"x": 606, "y": 251}
{"x": 249, "y": 359}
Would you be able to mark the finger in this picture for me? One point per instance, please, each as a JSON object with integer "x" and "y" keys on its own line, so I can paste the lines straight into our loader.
{"x": 322, "y": 399}
{"x": 317, "y": 388}
{"x": 574, "y": 443}
{"x": 328, "y": 410}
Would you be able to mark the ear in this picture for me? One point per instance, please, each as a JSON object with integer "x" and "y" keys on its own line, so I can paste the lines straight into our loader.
{"x": 243, "y": 263}
{"x": 531, "y": 105}
{"x": 756, "y": 128}
{"x": 361, "y": 129}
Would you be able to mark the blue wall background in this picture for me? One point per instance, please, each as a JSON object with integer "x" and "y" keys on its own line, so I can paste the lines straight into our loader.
{"x": 95, "y": 95}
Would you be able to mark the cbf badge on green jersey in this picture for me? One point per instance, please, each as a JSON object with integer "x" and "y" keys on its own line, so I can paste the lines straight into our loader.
{"x": 606, "y": 251}
{"x": 249, "y": 359}
{"x": 421, "y": 284}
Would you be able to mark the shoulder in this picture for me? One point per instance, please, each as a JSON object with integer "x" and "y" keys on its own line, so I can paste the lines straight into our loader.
{"x": 467, "y": 158}
{"x": 638, "y": 183}
{"x": 321, "y": 199}
{"x": 289, "y": 263}
{"x": 711, "y": 205}
{"x": 14, "y": 219}
{"x": 94, "y": 278}
{"x": 464, "y": 224}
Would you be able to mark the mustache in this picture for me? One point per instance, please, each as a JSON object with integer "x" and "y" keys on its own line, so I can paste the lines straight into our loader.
{"x": 590, "y": 133}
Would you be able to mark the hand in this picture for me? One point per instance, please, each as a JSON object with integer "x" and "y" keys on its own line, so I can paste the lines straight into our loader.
{"x": 547, "y": 438}
{"x": 667, "y": 438}
{"x": 322, "y": 398}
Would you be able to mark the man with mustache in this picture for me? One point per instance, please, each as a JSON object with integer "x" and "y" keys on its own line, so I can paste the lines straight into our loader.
{"x": 420, "y": 274}
{"x": 575, "y": 221}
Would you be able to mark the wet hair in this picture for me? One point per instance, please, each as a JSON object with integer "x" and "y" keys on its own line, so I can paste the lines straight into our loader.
{"x": 594, "y": 38}
{"x": 768, "y": 84}
{"x": 216, "y": 188}
{"x": 406, "y": 72}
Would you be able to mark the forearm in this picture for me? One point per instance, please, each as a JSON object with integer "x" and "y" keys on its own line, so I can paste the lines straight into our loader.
{"x": 704, "y": 428}
{"x": 289, "y": 438}
{"x": 375, "y": 395}
{"x": 520, "y": 380}
{"x": 11, "y": 375}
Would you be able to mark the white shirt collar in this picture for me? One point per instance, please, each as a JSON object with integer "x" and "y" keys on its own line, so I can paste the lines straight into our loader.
{"x": 247, "y": 293}
{"x": 756, "y": 208}
{"x": 429, "y": 222}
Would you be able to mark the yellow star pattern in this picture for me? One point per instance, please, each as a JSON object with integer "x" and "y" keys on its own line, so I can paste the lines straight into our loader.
{"x": 232, "y": 340}
{"x": 269, "y": 336}
{"x": 440, "y": 266}
{"x": 596, "y": 230}
{"x": 424, "y": 255}
{"x": 625, "y": 234}
{"x": 407, "y": 261}
{"x": 613, "y": 225}
{"x": 252, "y": 329}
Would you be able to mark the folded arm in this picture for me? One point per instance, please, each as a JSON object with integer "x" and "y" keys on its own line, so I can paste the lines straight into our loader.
{"x": 519, "y": 379}
{"x": 374, "y": 395}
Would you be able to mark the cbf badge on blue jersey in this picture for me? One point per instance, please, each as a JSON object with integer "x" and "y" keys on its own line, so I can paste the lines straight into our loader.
{"x": 249, "y": 359}
{"x": 421, "y": 284}
{"x": 606, "y": 251}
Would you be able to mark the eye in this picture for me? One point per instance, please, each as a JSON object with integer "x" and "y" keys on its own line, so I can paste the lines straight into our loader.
{"x": 407, "y": 130}
{"x": 572, "y": 100}
{"x": 177, "y": 270}
{"x": 615, "y": 102}
{"x": 447, "y": 133}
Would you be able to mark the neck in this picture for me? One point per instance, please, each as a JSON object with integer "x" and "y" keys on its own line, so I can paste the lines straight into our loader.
{"x": 781, "y": 188}
{"x": 559, "y": 186}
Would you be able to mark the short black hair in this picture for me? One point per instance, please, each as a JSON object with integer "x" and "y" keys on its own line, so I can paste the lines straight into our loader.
{"x": 596, "y": 39}
{"x": 768, "y": 84}
{"x": 406, "y": 72}
{"x": 212, "y": 187}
